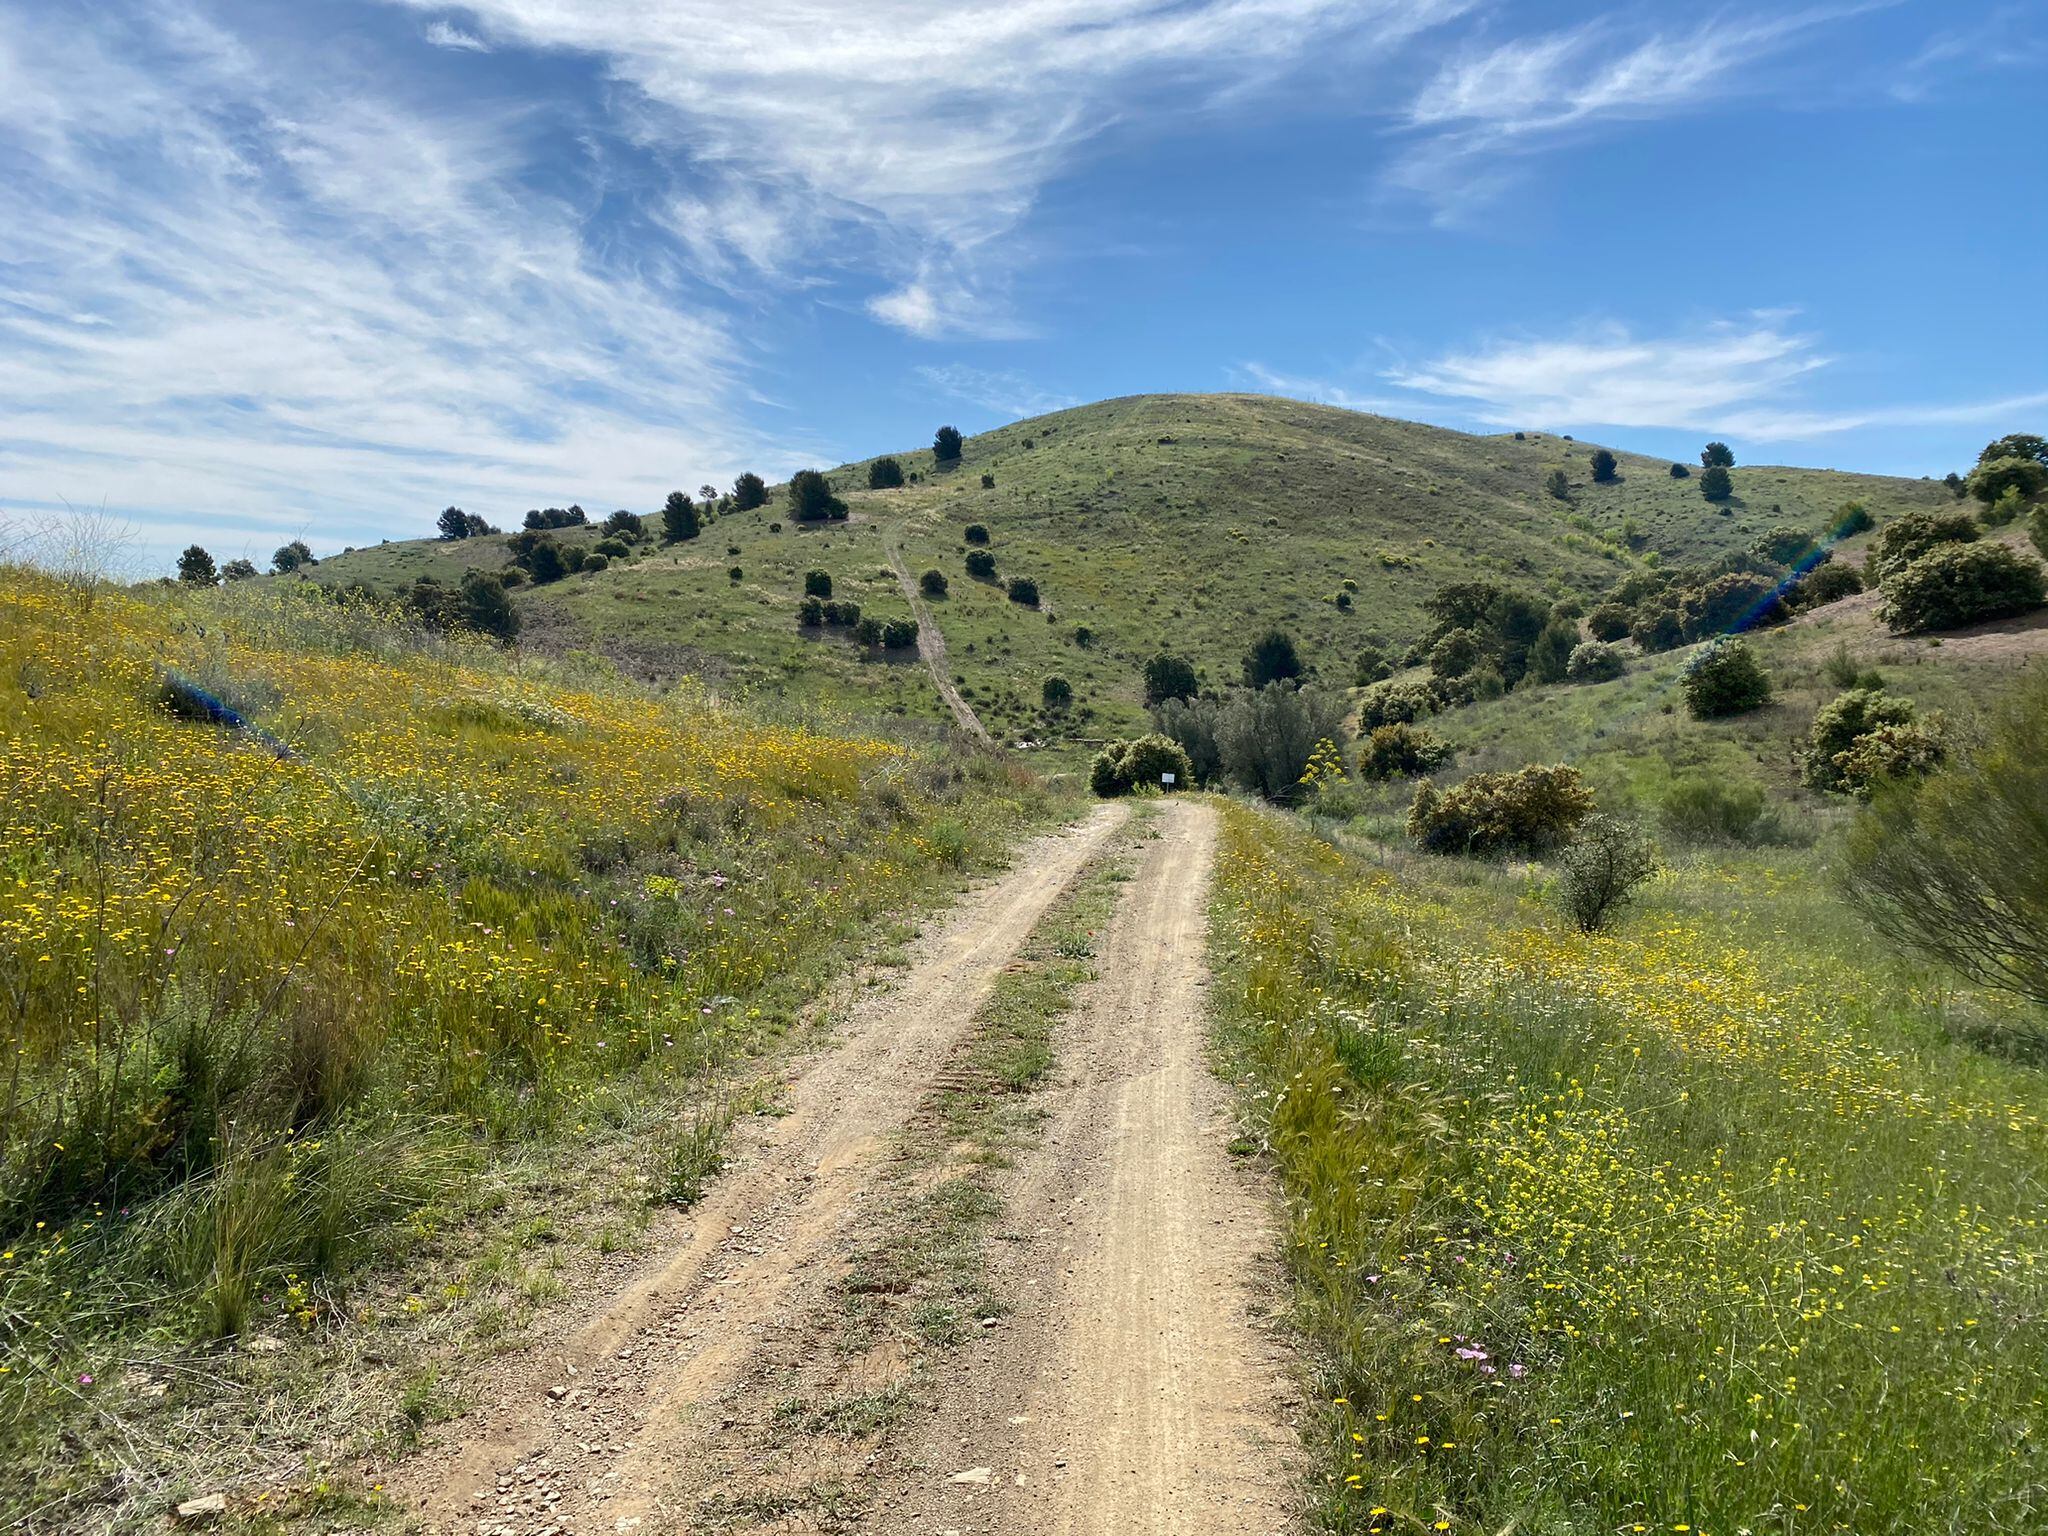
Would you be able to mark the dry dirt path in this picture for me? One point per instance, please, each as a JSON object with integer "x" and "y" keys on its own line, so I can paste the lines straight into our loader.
{"x": 612, "y": 1426}
{"x": 931, "y": 645}
{"x": 1136, "y": 1388}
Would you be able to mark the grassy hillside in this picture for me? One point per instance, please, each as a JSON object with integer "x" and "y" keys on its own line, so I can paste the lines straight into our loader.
{"x": 1169, "y": 521}
{"x": 297, "y": 1006}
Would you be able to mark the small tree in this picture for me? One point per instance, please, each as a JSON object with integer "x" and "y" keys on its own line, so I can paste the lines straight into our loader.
{"x": 1271, "y": 659}
{"x": 1725, "y": 678}
{"x": 981, "y": 565}
{"x": 885, "y": 474}
{"x": 817, "y": 583}
{"x": 933, "y": 583}
{"x": 1609, "y": 621}
{"x": 453, "y": 523}
{"x": 1604, "y": 466}
{"x": 811, "y": 499}
{"x": 196, "y": 568}
{"x": 1056, "y": 692}
{"x": 810, "y": 614}
{"x": 1837, "y": 728}
{"x": 679, "y": 520}
{"x": 748, "y": 492}
{"x": 1955, "y": 865}
{"x": 482, "y": 605}
{"x": 1716, "y": 484}
{"x": 899, "y": 634}
{"x": 1400, "y": 751}
{"x": 1022, "y": 589}
{"x": 1906, "y": 539}
{"x": 2028, "y": 477}
{"x": 1717, "y": 456}
{"x": 1961, "y": 584}
{"x": 1602, "y": 869}
{"x": 1372, "y": 665}
{"x": 946, "y": 445}
{"x": 1169, "y": 677}
{"x": 291, "y": 557}
{"x": 624, "y": 525}
{"x": 1854, "y": 518}
{"x": 238, "y": 570}
{"x": 1551, "y": 654}
{"x": 1558, "y": 484}
{"x": 976, "y": 533}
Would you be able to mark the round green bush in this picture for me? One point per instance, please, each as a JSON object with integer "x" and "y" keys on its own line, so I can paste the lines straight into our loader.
{"x": 817, "y": 583}
{"x": 1725, "y": 678}
{"x": 1961, "y": 584}
{"x": 1531, "y": 810}
{"x": 1022, "y": 589}
{"x": 932, "y": 583}
{"x": 1906, "y": 539}
{"x": 1608, "y": 622}
{"x": 1838, "y": 725}
{"x": 1829, "y": 583}
{"x": 1595, "y": 661}
{"x": 1401, "y": 751}
{"x": 981, "y": 564}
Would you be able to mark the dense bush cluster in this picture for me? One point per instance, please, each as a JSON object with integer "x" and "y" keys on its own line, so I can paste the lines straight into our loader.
{"x": 1959, "y": 584}
{"x": 1865, "y": 737}
{"x": 1595, "y": 661}
{"x": 1259, "y": 739}
{"x": 1906, "y": 539}
{"x": 1401, "y": 751}
{"x": 1123, "y": 766}
{"x": 1531, "y": 810}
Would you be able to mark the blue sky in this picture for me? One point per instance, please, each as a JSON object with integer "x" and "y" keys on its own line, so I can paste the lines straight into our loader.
{"x": 321, "y": 268}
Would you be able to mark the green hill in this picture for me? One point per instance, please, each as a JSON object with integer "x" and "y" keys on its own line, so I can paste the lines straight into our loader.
{"x": 1180, "y": 522}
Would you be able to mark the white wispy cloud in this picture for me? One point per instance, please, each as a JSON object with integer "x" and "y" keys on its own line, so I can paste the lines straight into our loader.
{"x": 1487, "y": 106}
{"x": 929, "y": 131}
{"x": 1737, "y": 377}
{"x": 245, "y": 298}
{"x": 445, "y": 34}
{"x": 1005, "y": 393}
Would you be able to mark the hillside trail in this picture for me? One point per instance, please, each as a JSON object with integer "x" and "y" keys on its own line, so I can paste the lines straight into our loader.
{"x": 1138, "y": 1386}
{"x": 597, "y": 1428}
{"x": 931, "y": 644}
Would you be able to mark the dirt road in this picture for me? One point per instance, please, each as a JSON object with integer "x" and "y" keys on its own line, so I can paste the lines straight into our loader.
{"x": 1130, "y": 1388}
{"x": 931, "y": 645}
{"x": 1134, "y": 1390}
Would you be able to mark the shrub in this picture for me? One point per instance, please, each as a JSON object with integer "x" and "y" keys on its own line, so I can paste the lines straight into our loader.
{"x": 2006, "y": 510}
{"x": 1271, "y": 659}
{"x": 1854, "y": 518}
{"x": 1532, "y": 809}
{"x": 899, "y": 634}
{"x": 1716, "y": 484}
{"x": 844, "y": 612}
{"x": 611, "y": 549}
{"x": 1056, "y": 692}
{"x": 1725, "y": 678}
{"x": 1728, "y": 603}
{"x": 1825, "y": 584}
{"x": 1657, "y": 627}
{"x": 981, "y": 565}
{"x": 625, "y": 525}
{"x": 1681, "y": 472}
{"x": 291, "y": 557}
{"x": 1192, "y": 723}
{"x": 817, "y": 583}
{"x": 1169, "y": 677}
{"x": 238, "y": 570}
{"x": 1602, "y": 869}
{"x": 1558, "y": 484}
{"x": 2025, "y": 477}
{"x": 977, "y": 533}
{"x": 1837, "y": 727}
{"x": 1890, "y": 752}
{"x": 1372, "y": 667}
{"x": 1716, "y": 809}
{"x": 1265, "y": 737}
{"x": 1456, "y": 653}
{"x": 885, "y": 474}
{"x": 1022, "y": 589}
{"x": 1907, "y": 538}
{"x": 946, "y": 443}
{"x": 867, "y": 631}
{"x": 1955, "y": 865}
{"x": 810, "y": 613}
{"x": 1604, "y": 466}
{"x": 988, "y": 481}
{"x": 1608, "y": 622}
{"x": 1550, "y": 656}
{"x": 1396, "y": 703}
{"x": 1784, "y": 546}
{"x": 2037, "y": 527}
{"x": 1595, "y": 662}
{"x": 1961, "y": 584}
{"x": 933, "y": 583}
{"x": 1126, "y": 765}
{"x": 811, "y": 499}
{"x": 1401, "y": 751}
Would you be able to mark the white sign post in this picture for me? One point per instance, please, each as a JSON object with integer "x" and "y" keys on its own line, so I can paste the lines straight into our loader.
{"x": 1166, "y": 779}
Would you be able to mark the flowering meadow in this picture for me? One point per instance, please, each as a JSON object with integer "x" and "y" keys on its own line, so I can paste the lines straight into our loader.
{"x": 1695, "y": 1226}
{"x": 299, "y": 910}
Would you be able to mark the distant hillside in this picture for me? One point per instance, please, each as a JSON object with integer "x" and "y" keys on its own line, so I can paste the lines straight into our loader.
{"x": 1184, "y": 522}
